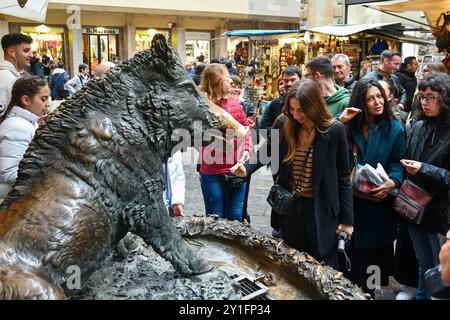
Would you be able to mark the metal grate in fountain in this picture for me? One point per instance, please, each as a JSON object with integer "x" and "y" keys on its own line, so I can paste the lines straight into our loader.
{"x": 251, "y": 290}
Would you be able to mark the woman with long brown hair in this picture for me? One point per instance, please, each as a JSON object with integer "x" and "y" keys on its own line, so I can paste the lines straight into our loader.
{"x": 313, "y": 162}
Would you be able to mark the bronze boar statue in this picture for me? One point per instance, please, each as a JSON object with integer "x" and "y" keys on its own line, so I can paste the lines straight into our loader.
{"x": 93, "y": 172}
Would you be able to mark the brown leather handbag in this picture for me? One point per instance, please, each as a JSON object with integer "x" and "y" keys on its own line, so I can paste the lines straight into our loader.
{"x": 411, "y": 202}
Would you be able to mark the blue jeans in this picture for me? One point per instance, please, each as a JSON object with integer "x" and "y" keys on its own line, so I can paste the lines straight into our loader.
{"x": 220, "y": 198}
{"x": 426, "y": 247}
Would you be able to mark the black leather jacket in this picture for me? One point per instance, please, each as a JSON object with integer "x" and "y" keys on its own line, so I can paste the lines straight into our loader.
{"x": 429, "y": 143}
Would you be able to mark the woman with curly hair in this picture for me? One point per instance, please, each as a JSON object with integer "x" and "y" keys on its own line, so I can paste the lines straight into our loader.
{"x": 428, "y": 166}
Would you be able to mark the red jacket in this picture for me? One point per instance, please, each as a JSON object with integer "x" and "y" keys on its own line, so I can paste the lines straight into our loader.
{"x": 218, "y": 161}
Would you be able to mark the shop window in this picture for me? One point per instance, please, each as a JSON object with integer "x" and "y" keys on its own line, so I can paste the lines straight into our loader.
{"x": 98, "y": 48}
{"x": 197, "y": 50}
{"x": 144, "y": 38}
{"x": 47, "y": 41}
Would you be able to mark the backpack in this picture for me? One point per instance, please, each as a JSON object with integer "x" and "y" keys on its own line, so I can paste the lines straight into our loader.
{"x": 58, "y": 81}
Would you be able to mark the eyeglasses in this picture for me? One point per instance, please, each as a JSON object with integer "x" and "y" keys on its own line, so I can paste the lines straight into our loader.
{"x": 429, "y": 99}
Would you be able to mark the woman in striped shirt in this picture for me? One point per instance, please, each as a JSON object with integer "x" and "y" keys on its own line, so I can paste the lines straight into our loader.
{"x": 313, "y": 161}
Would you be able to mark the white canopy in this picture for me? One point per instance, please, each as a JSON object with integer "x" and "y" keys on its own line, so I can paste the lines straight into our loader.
{"x": 34, "y": 10}
{"x": 343, "y": 30}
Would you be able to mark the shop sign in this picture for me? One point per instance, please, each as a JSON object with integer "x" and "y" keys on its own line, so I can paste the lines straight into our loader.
{"x": 198, "y": 36}
{"x": 100, "y": 31}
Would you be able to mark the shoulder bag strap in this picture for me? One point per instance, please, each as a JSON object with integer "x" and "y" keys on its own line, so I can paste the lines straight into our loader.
{"x": 355, "y": 153}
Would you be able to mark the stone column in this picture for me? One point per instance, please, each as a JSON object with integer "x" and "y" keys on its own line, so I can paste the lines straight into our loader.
{"x": 221, "y": 44}
{"x": 320, "y": 13}
{"x": 179, "y": 42}
{"x": 4, "y": 29}
{"x": 75, "y": 49}
{"x": 130, "y": 41}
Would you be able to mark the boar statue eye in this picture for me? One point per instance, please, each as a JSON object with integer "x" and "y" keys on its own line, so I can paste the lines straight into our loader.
{"x": 187, "y": 85}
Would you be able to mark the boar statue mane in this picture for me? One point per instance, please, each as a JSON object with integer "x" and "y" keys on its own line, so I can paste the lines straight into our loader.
{"x": 94, "y": 171}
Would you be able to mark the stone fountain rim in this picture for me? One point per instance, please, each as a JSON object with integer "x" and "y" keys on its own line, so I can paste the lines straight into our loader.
{"x": 328, "y": 283}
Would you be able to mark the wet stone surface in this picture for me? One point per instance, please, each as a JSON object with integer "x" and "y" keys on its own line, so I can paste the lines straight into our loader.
{"x": 139, "y": 273}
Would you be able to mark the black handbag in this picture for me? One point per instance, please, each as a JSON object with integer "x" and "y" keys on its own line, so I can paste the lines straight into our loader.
{"x": 282, "y": 200}
{"x": 234, "y": 181}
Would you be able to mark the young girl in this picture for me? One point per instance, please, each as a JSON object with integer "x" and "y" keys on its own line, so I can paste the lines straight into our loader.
{"x": 29, "y": 100}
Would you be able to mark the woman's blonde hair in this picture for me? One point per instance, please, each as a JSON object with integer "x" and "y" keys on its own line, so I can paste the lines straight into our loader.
{"x": 212, "y": 81}
{"x": 309, "y": 95}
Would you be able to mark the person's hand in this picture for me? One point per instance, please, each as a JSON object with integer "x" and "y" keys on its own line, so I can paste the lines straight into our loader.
{"x": 444, "y": 258}
{"x": 382, "y": 191}
{"x": 252, "y": 121}
{"x": 348, "y": 114}
{"x": 401, "y": 106}
{"x": 239, "y": 170}
{"x": 245, "y": 156}
{"x": 411, "y": 166}
{"x": 346, "y": 228}
{"x": 178, "y": 210}
{"x": 42, "y": 120}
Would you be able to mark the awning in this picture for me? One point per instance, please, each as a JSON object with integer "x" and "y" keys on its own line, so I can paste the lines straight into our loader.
{"x": 343, "y": 30}
{"x": 431, "y": 8}
{"x": 401, "y": 37}
{"x": 261, "y": 33}
{"x": 34, "y": 10}
{"x": 391, "y": 30}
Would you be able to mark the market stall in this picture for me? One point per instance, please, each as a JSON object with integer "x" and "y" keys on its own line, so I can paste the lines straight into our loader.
{"x": 363, "y": 43}
{"x": 260, "y": 57}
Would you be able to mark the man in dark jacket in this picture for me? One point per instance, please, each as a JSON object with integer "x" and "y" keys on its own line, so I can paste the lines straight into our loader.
{"x": 341, "y": 71}
{"x": 390, "y": 63}
{"x": 290, "y": 74}
{"x": 407, "y": 76}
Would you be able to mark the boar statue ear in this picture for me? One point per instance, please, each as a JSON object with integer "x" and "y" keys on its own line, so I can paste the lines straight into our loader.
{"x": 160, "y": 48}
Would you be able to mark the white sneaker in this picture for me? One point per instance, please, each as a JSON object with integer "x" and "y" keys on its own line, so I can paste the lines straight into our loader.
{"x": 407, "y": 293}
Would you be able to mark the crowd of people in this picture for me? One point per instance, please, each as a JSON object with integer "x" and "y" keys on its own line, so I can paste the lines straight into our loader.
{"x": 329, "y": 124}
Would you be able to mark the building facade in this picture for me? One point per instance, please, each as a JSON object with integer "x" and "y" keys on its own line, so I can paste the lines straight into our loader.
{"x": 78, "y": 31}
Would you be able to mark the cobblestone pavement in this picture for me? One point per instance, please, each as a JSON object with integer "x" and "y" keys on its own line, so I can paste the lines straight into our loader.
{"x": 258, "y": 207}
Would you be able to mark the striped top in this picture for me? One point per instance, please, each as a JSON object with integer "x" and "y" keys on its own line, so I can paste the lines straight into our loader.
{"x": 302, "y": 169}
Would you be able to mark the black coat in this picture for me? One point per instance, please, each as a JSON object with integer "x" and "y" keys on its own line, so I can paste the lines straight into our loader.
{"x": 273, "y": 110}
{"x": 332, "y": 193}
{"x": 408, "y": 81}
{"x": 429, "y": 143}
